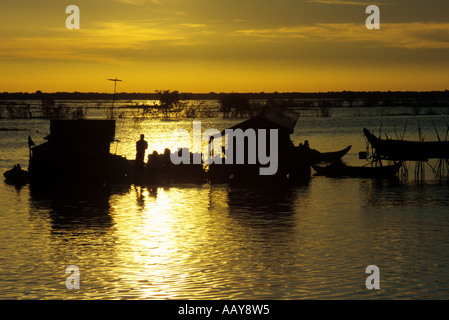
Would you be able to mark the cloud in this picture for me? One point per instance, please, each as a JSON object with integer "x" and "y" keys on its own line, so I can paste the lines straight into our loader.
{"x": 193, "y": 25}
{"x": 131, "y": 41}
{"x": 114, "y": 42}
{"x": 416, "y": 35}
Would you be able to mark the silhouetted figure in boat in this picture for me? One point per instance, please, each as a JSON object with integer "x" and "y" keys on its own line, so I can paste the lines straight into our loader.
{"x": 153, "y": 160}
{"x": 306, "y": 144}
{"x": 166, "y": 158}
{"x": 303, "y": 152}
{"x": 166, "y": 161}
{"x": 153, "y": 165}
{"x": 141, "y": 147}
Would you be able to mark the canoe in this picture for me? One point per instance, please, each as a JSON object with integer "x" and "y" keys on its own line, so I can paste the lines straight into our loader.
{"x": 315, "y": 156}
{"x": 339, "y": 169}
{"x": 404, "y": 150}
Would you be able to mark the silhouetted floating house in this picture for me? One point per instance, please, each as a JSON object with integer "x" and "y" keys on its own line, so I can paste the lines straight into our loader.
{"x": 290, "y": 168}
{"x": 76, "y": 151}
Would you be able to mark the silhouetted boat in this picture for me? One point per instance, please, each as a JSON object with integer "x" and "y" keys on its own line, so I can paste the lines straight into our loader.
{"x": 16, "y": 175}
{"x": 315, "y": 156}
{"x": 339, "y": 169}
{"x": 408, "y": 150}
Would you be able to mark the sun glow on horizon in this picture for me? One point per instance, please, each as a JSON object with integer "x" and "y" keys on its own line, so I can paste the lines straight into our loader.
{"x": 194, "y": 47}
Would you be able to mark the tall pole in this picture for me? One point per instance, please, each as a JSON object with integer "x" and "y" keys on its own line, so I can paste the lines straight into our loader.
{"x": 113, "y": 96}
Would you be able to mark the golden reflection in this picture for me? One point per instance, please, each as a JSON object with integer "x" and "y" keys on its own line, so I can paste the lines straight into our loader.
{"x": 160, "y": 233}
{"x": 144, "y": 226}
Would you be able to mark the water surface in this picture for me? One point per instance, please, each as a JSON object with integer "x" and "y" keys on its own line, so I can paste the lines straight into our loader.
{"x": 221, "y": 242}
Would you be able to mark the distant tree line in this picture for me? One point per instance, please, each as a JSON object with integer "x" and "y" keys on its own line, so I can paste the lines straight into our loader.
{"x": 174, "y": 104}
{"x": 341, "y": 95}
{"x": 47, "y": 109}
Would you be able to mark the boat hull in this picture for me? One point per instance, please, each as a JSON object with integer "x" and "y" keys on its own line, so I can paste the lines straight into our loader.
{"x": 408, "y": 150}
{"x": 315, "y": 156}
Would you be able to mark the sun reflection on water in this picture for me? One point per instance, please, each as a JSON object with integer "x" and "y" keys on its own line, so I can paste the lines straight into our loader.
{"x": 161, "y": 230}
{"x": 184, "y": 242}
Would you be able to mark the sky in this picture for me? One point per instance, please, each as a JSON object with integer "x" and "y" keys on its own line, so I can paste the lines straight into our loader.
{"x": 224, "y": 46}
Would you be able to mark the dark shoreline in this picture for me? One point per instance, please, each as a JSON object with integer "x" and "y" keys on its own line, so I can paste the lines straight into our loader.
{"x": 343, "y": 95}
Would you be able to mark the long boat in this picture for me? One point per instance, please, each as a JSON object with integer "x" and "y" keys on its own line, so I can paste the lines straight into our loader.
{"x": 339, "y": 169}
{"x": 408, "y": 150}
{"x": 315, "y": 156}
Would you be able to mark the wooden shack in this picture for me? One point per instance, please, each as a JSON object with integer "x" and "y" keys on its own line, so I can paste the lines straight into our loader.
{"x": 289, "y": 167}
{"x": 76, "y": 151}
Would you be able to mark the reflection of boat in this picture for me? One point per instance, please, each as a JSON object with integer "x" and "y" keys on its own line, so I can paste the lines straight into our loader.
{"x": 316, "y": 156}
{"x": 408, "y": 150}
{"x": 339, "y": 169}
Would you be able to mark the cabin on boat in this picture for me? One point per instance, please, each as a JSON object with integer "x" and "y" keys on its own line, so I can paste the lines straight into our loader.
{"x": 248, "y": 158}
{"x": 76, "y": 151}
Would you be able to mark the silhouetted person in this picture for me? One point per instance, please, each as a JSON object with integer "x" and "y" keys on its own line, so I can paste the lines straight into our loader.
{"x": 166, "y": 160}
{"x": 306, "y": 144}
{"x": 153, "y": 159}
{"x": 153, "y": 165}
{"x": 141, "y": 147}
{"x": 30, "y": 144}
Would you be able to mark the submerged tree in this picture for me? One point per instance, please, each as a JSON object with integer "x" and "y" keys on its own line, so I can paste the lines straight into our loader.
{"x": 325, "y": 108}
{"x": 235, "y": 104}
{"x": 169, "y": 101}
{"x": 51, "y": 110}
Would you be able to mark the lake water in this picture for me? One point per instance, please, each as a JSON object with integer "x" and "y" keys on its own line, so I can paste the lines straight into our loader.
{"x": 221, "y": 242}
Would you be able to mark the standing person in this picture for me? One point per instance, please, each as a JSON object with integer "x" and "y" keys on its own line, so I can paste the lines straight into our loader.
{"x": 141, "y": 147}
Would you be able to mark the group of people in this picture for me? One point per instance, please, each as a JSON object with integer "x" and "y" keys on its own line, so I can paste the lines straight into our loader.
{"x": 304, "y": 146}
{"x": 161, "y": 168}
{"x": 154, "y": 159}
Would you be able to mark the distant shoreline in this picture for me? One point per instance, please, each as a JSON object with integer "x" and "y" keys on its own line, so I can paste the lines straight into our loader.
{"x": 343, "y": 95}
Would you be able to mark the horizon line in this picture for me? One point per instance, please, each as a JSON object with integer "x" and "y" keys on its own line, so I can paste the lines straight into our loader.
{"x": 230, "y": 92}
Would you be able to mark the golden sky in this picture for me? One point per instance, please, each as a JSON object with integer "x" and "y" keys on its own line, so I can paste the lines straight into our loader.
{"x": 224, "y": 46}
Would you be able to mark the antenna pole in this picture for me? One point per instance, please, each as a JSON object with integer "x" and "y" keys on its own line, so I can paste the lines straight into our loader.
{"x": 113, "y": 96}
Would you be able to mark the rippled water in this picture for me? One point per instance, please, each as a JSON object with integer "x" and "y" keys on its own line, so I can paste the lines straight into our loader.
{"x": 217, "y": 242}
